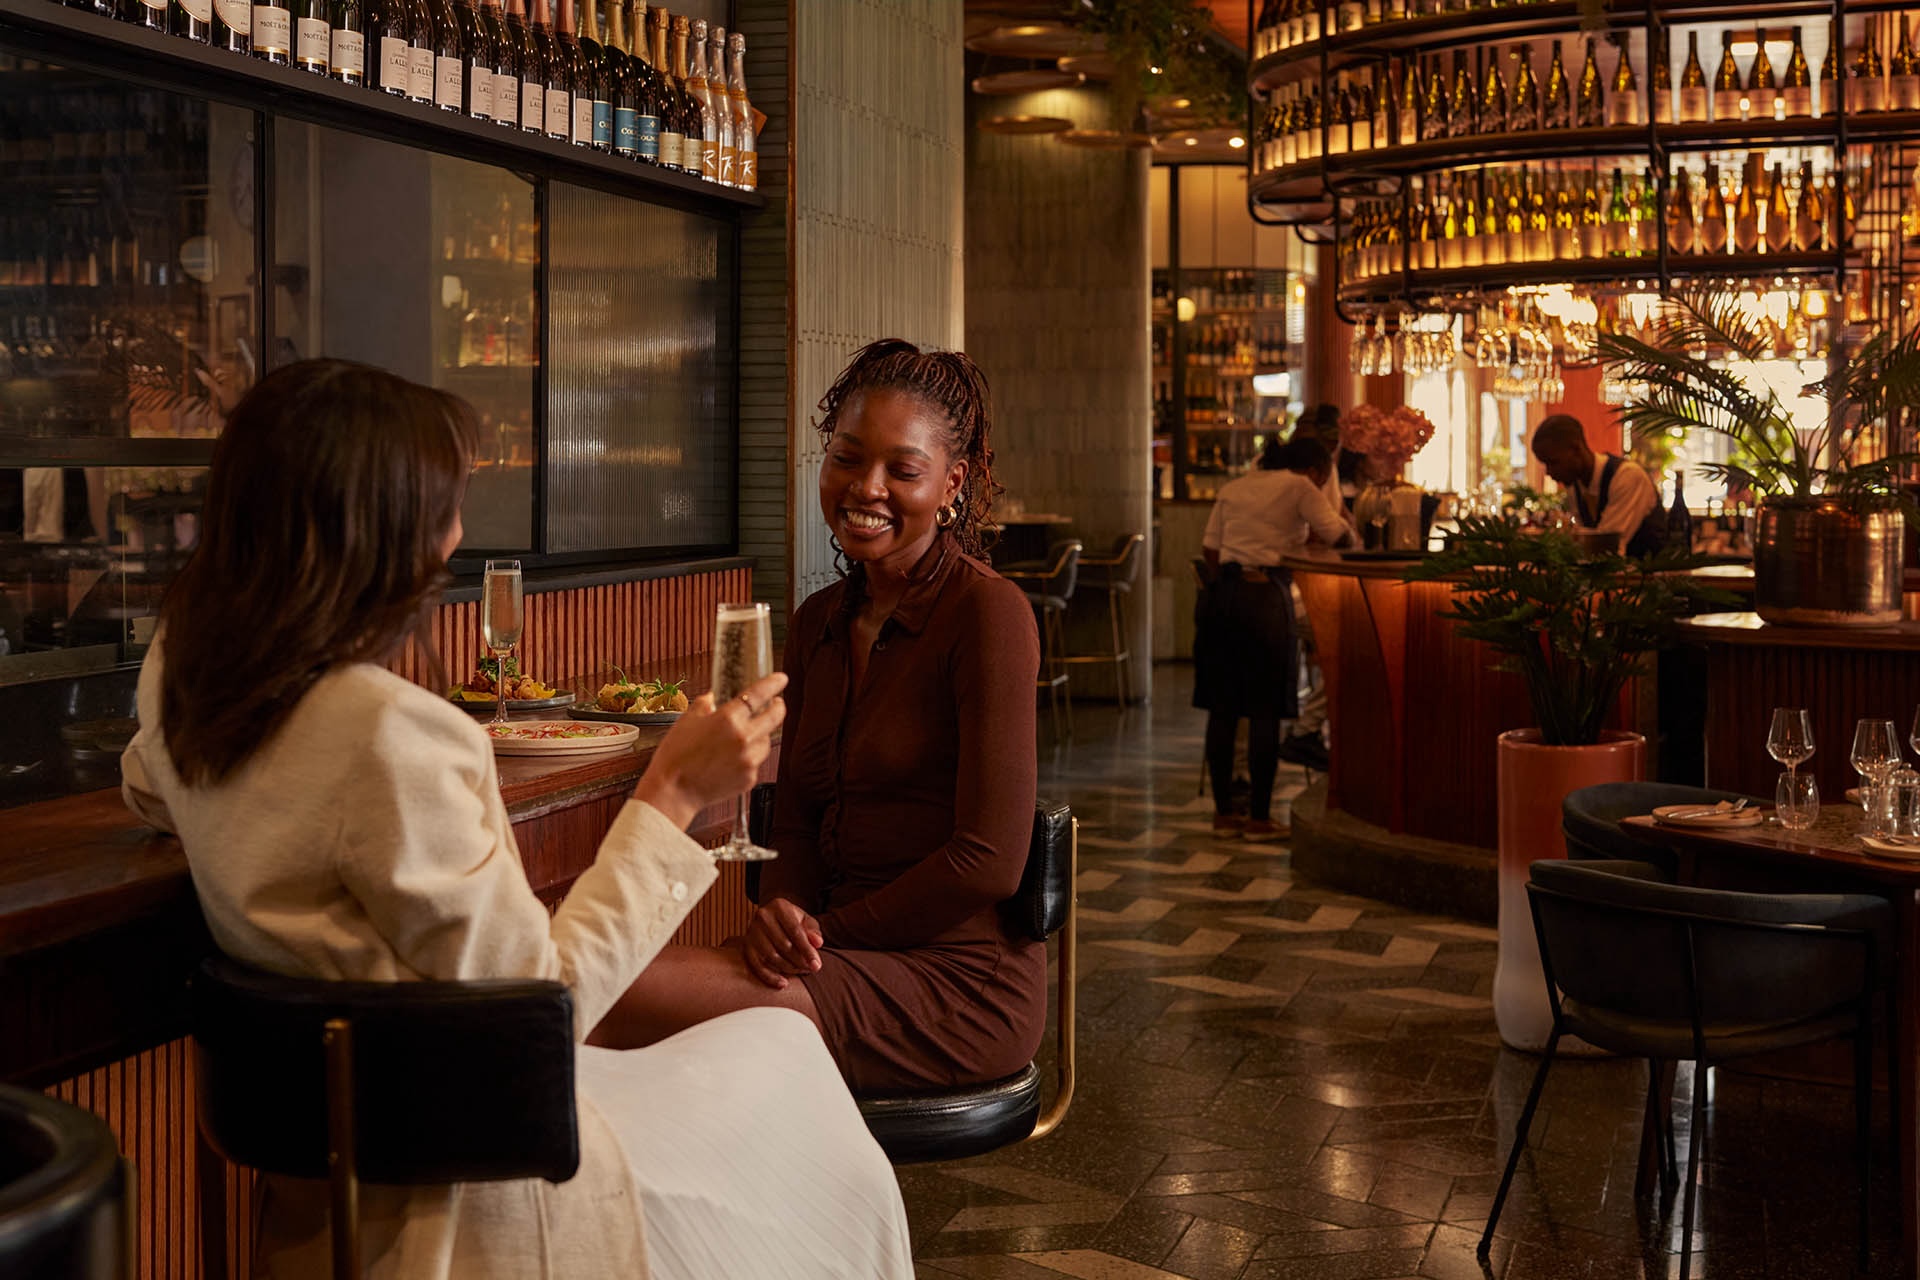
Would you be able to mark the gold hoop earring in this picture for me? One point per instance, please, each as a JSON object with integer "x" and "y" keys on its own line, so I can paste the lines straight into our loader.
{"x": 946, "y": 515}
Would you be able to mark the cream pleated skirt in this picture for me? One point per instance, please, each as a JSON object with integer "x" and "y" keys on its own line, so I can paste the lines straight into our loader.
{"x": 750, "y": 1156}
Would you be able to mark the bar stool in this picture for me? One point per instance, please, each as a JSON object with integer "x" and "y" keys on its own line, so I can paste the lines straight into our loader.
{"x": 1049, "y": 589}
{"x": 64, "y": 1200}
{"x": 1115, "y": 575}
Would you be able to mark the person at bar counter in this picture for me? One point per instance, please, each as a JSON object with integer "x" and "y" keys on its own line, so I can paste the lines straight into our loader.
{"x": 1611, "y": 494}
{"x": 907, "y": 770}
{"x": 342, "y": 822}
{"x": 1243, "y": 647}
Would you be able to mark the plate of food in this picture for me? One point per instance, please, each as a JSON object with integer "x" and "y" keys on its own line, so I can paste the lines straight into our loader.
{"x": 524, "y": 693}
{"x": 636, "y": 702}
{"x": 558, "y": 737}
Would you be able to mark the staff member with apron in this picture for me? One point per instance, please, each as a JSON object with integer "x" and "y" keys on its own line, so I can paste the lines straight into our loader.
{"x": 1243, "y": 651}
{"x": 1611, "y": 494}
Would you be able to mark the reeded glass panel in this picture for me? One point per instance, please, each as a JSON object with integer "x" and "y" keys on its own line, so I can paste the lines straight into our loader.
{"x": 424, "y": 265}
{"x": 639, "y": 407}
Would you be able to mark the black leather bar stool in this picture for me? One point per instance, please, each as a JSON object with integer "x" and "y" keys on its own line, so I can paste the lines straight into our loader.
{"x": 66, "y": 1210}
{"x": 1114, "y": 575}
{"x": 1049, "y": 589}
{"x": 397, "y": 1083}
{"x": 954, "y": 1123}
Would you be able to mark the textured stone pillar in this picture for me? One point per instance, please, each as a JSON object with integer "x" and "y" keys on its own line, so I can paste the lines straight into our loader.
{"x": 1057, "y": 298}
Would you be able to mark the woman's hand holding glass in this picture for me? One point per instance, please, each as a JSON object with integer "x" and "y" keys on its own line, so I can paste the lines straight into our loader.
{"x": 781, "y": 942}
{"x": 713, "y": 754}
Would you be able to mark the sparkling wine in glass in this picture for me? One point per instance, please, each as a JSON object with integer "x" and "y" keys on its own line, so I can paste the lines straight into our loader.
{"x": 1790, "y": 741}
{"x": 742, "y": 654}
{"x": 503, "y": 615}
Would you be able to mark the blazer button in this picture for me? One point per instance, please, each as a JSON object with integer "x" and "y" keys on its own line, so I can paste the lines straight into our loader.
{"x": 679, "y": 891}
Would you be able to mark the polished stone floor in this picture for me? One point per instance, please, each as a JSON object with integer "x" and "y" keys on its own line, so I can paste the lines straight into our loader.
{"x": 1282, "y": 1082}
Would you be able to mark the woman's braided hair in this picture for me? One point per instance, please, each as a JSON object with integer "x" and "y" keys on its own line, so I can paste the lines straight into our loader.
{"x": 949, "y": 382}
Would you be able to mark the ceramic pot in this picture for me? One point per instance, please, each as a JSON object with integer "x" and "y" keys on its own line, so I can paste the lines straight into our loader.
{"x": 1534, "y": 781}
{"x": 1818, "y": 563}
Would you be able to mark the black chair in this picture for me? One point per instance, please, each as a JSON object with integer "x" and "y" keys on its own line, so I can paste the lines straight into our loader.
{"x": 1049, "y": 589}
{"x": 1114, "y": 575}
{"x": 397, "y": 1083}
{"x": 66, "y": 1208}
{"x": 955, "y": 1123}
{"x": 1667, "y": 972}
{"x": 1590, "y": 819}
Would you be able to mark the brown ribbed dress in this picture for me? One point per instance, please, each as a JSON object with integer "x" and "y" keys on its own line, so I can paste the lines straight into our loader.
{"x": 902, "y": 820}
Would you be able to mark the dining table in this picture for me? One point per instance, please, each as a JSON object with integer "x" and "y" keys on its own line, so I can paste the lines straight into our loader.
{"x": 1826, "y": 857}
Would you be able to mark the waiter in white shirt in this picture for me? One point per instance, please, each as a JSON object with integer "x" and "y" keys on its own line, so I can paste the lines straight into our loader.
{"x": 1243, "y": 651}
{"x": 1611, "y": 494}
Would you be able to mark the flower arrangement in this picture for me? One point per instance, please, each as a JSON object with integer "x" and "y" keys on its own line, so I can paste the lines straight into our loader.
{"x": 1391, "y": 437}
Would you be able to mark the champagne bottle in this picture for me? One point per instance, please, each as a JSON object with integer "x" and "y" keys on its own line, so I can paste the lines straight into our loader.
{"x": 533, "y": 68}
{"x": 1646, "y": 215}
{"x": 1726, "y": 83}
{"x": 387, "y": 25}
{"x": 506, "y": 65}
{"x": 649, "y": 86}
{"x": 1746, "y": 210}
{"x": 1867, "y": 88}
{"x": 623, "y": 84}
{"x": 476, "y": 43}
{"x": 1829, "y": 103}
{"x": 1379, "y": 104}
{"x": 1663, "y": 104}
{"x": 1763, "y": 93}
{"x": 1514, "y": 221}
{"x": 1340, "y": 128}
{"x": 347, "y": 43}
{"x": 580, "y": 75}
{"x": 1556, "y": 104}
{"x": 272, "y": 32}
{"x": 1779, "y": 216}
{"x": 596, "y": 57}
{"x": 1593, "y": 219}
{"x": 1493, "y": 96}
{"x": 1451, "y": 247}
{"x": 1524, "y": 115}
{"x": 1436, "y": 122}
{"x": 1679, "y": 520}
{"x": 1623, "y": 105}
{"x": 193, "y": 19}
{"x": 556, "y": 116}
{"x": 1591, "y": 106}
{"x": 1539, "y": 220}
{"x": 449, "y": 59}
{"x": 1797, "y": 97}
{"x": 420, "y": 40}
{"x": 1351, "y": 15}
{"x": 1462, "y": 120}
{"x": 312, "y": 35}
{"x": 695, "y": 76}
{"x": 1566, "y": 222}
{"x": 723, "y": 104}
{"x": 1841, "y": 209}
{"x": 1693, "y": 85}
{"x": 1711, "y": 236}
{"x": 746, "y": 145}
{"x": 1619, "y": 219}
{"x": 1810, "y": 215}
{"x": 1472, "y": 253}
{"x": 1406, "y": 122}
{"x": 1680, "y": 212}
{"x": 673, "y": 136}
{"x": 151, "y": 15}
{"x": 1905, "y": 89}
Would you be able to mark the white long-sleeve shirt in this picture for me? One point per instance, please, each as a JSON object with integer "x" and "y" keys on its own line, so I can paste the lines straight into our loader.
{"x": 1630, "y": 499}
{"x": 1265, "y": 516}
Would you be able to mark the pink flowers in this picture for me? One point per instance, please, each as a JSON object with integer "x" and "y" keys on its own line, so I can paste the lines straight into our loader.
{"x": 1391, "y": 437}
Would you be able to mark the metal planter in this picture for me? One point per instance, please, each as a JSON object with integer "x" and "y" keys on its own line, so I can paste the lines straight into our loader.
{"x": 1819, "y": 562}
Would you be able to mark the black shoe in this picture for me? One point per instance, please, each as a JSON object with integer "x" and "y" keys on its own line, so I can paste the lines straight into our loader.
{"x": 1305, "y": 750}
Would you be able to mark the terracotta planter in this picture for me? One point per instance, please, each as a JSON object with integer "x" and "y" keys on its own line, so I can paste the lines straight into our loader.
{"x": 1534, "y": 780}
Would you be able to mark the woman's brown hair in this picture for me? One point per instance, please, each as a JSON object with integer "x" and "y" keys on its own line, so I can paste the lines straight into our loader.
{"x": 953, "y": 385}
{"x": 322, "y": 541}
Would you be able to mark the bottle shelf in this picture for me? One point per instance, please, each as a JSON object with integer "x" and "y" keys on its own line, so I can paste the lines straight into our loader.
{"x": 1627, "y": 272}
{"x": 73, "y": 37}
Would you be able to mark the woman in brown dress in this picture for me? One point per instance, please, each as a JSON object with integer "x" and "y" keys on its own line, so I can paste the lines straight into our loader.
{"x": 907, "y": 769}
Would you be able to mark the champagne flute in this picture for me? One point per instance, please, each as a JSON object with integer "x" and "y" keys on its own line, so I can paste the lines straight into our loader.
{"x": 1790, "y": 741}
{"x": 742, "y": 654}
{"x": 503, "y": 616}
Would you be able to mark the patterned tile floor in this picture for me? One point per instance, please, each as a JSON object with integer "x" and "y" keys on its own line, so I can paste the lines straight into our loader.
{"x": 1282, "y": 1082}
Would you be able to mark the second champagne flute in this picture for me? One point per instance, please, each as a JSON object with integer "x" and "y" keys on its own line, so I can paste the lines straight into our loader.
{"x": 502, "y": 616}
{"x": 1790, "y": 740}
{"x": 742, "y": 654}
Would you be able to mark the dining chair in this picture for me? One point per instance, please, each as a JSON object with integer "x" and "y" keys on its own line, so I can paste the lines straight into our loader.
{"x": 396, "y": 1083}
{"x": 1590, "y": 819}
{"x": 1114, "y": 574}
{"x": 950, "y": 1124}
{"x": 66, "y": 1200}
{"x": 1669, "y": 973}
{"x": 1049, "y": 589}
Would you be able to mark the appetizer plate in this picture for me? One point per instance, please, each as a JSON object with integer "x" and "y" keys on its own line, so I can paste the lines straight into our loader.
{"x": 1712, "y": 817}
{"x": 1906, "y": 848}
{"x": 484, "y": 706}
{"x": 558, "y": 737}
{"x": 625, "y": 717}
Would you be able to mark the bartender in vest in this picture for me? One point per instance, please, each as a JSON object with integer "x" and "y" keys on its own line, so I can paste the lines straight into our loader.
{"x": 1610, "y": 493}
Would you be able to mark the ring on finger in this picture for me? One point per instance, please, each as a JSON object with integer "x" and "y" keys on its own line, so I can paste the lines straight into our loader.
{"x": 748, "y": 704}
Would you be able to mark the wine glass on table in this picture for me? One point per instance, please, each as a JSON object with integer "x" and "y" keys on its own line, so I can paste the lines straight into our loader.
{"x": 1876, "y": 753}
{"x": 503, "y": 615}
{"x": 742, "y": 654}
{"x": 1790, "y": 740}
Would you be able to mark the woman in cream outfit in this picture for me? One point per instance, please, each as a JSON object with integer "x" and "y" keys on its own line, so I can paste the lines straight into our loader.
{"x": 341, "y": 822}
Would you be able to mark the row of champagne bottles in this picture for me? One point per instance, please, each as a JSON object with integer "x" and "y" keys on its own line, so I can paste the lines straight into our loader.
{"x": 1284, "y": 24}
{"x": 1226, "y": 344}
{"x": 527, "y": 66}
{"x": 1490, "y": 217}
{"x": 1424, "y": 101}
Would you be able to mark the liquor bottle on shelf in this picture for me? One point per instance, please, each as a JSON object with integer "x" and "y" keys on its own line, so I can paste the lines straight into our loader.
{"x": 506, "y": 65}
{"x": 193, "y": 19}
{"x": 649, "y": 88}
{"x": 1680, "y": 212}
{"x": 1462, "y": 120}
{"x": 1694, "y": 97}
{"x": 716, "y": 118}
{"x": 1810, "y": 215}
{"x": 1556, "y": 103}
{"x": 476, "y": 42}
{"x": 1746, "y": 209}
{"x": 449, "y": 59}
{"x": 312, "y": 35}
{"x": 623, "y": 86}
{"x": 1437, "y": 105}
{"x": 1796, "y": 97}
{"x": 1679, "y": 521}
{"x": 1663, "y": 104}
{"x": 420, "y": 42}
{"x": 1406, "y": 121}
{"x": 1340, "y": 126}
{"x": 1566, "y": 221}
{"x": 673, "y": 121}
{"x": 347, "y": 43}
{"x": 580, "y": 76}
{"x": 1350, "y": 15}
{"x": 1309, "y": 21}
{"x": 1904, "y": 91}
{"x": 1841, "y": 211}
{"x": 1867, "y": 85}
{"x": 1524, "y": 115}
{"x": 533, "y": 68}
{"x": 596, "y": 55}
{"x": 1539, "y": 220}
{"x": 272, "y": 32}
{"x": 693, "y": 119}
{"x": 1727, "y": 92}
{"x": 1378, "y": 99}
{"x": 1590, "y": 106}
{"x": 1829, "y": 101}
{"x": 1763, "y": 93}
{"x": 1623, "y": 105}
{"x": 1619, "y": 219}
{"x": 1646, "y": 215}
{"x": 387, "y": 24}
{"x": 556, "y": 116}
{"x": 1493, "y": 95}
{"x": 746, "y": 144}
{"x": 722, "y": 102}
{"x": 1779, "y": 215}
{"x": 150, "y": 15}
{"x": 1712, "y": 230}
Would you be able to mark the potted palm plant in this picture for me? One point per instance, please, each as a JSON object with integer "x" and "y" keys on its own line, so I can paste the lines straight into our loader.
{"x": 1577, "y": 627}
{"x": 1827, "y": 543}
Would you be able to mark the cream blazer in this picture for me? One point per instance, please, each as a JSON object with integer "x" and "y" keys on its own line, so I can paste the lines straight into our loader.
{"x": 367, "y": 840}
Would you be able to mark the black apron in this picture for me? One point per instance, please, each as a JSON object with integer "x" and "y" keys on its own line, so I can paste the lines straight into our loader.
{"x": 1652, "y": 533}
{"x": 1243, "y": 650}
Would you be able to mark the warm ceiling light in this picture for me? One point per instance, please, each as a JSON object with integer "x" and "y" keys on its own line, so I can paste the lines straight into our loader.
{"x": 1181, "y": 104}
{"x": 1236, "y": 141}
{"x": 1193, "y": 142}
{"x": 1153, "y": 71}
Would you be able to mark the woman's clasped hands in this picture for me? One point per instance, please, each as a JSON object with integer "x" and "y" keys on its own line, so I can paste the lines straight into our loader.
{"x": 781, "y": 942}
